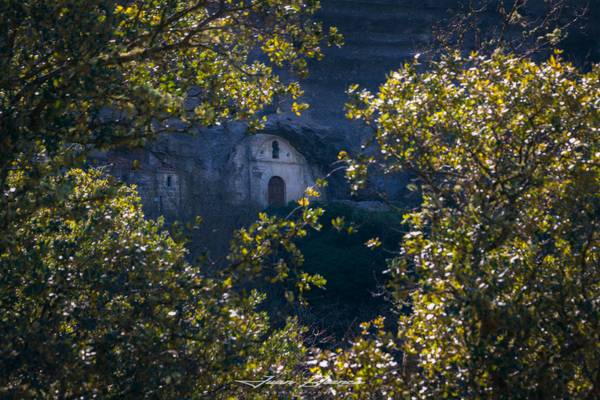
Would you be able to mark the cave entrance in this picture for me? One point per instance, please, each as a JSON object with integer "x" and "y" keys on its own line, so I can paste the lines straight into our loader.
{"x": 276, "y": 191}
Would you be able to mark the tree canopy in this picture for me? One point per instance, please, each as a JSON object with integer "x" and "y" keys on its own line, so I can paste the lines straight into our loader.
{"x": 96, "y": 301}
{"x": 500, "y": 269}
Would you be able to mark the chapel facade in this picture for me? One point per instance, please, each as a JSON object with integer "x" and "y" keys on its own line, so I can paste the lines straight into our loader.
{"x": 266, "y": 170}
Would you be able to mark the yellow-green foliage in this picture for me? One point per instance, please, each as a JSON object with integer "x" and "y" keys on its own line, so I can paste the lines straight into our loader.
{"x": 95, "y": 301}
{"x": 98, "y": 301}
{"x": 501, "y": 265}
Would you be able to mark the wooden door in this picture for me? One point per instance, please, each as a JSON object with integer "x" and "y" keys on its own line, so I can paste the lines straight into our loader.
{"x": 276, "y": 192}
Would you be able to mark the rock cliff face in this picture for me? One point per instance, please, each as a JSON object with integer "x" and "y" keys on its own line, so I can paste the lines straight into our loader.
{"x": 189, "y": 171}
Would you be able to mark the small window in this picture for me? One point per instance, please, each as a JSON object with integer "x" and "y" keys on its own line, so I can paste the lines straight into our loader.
{"x": 169, "y": 180}
{"x": 275, "y": 145}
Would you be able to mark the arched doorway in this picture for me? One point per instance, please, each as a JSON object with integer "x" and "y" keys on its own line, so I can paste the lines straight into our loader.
{"x": 276, "y": 191}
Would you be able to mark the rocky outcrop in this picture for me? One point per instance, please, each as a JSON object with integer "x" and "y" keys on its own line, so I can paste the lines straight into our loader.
{"x": 185, "y": 173}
